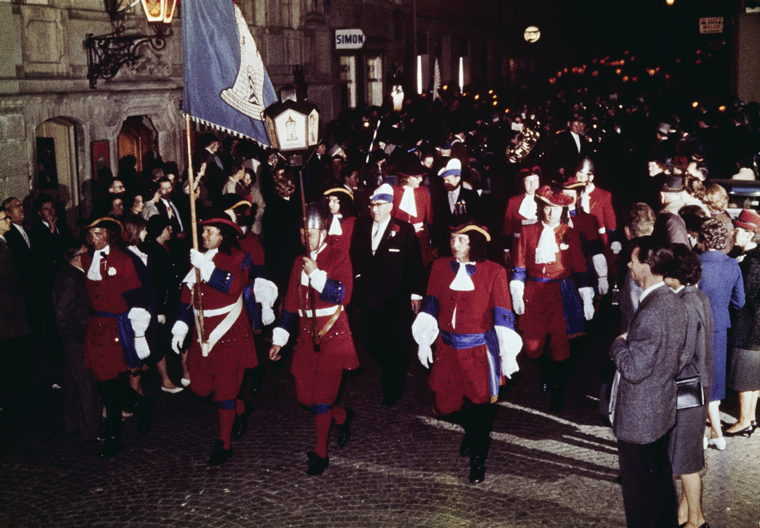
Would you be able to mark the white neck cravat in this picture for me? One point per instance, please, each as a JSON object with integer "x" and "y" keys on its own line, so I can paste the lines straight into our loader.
{"x": 94, "y": 272}
{"x": 335, "y": 228}
{"x": 528, "y": 207}
{"x": 547, "y": 248}
{"x": 408, "y": 204}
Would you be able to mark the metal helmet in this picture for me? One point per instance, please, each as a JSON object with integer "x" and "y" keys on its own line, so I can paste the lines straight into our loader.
{"x": 586, "y": 166}
{"x": 316, "y": 216}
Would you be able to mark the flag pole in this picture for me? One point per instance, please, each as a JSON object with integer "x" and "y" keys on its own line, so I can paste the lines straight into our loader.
{"x": 312, "y": 301}
{"x": 194, "y": 231}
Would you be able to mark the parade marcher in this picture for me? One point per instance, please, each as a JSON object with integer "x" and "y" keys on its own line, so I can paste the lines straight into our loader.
{"x": 587, "y": 226}
{"x": 412, "y": 202}
{"x": 115, "y": 342}
{"x": 744, "y": 368}
{"x": 467, "y": 313}
{"x": 320, "y": 288}
{"x": 598, "y": 202}
{"x": 521, "y": 210}
{"x": 217, "y": 360}
{"x": 340, "y": 203}
{"x": 551, "y": 289}
{"x": 451, "y": 200}
{"x": 387, "y": 265}
{"x": 686, "y": 450}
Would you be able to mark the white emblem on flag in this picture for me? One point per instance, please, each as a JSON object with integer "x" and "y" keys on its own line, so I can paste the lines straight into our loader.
{"x": 246, "y": 94}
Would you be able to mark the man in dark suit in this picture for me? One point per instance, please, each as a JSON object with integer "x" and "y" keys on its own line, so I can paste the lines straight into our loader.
{"x": 645, "y": 407}
{"x": 14, "y": 328}
{"x": 451, "y": 201}
{"x": 81, "y": 404}
{"x": 570, "y": 146}
{"x": 387, "y": 264}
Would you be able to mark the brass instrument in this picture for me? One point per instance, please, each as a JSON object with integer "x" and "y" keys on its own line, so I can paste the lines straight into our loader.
{"x": 526, "y": 140}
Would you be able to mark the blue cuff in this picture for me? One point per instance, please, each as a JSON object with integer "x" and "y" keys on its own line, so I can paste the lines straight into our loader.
{"x": 249, "y": 301}
{"x": 333, "y": 292}
{"x": 289, "y": 321}
{"x": 257, "y": 271}
{"x": 583, "y": 280}
{"x": 503, "y": 317}
{"x": 185, "y": 314}
{"x": 595, "y": 247}
{"x": 220, "y": 280}
{"x": 430, "y": 305}
{"x": 137, "y": 298}
{"x": 518, "y": 274}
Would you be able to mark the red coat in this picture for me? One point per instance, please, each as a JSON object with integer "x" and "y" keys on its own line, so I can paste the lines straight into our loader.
{"x": 423, "y": 203}
{"x": 337, "y": 345}
{"x": 117, "y": 292}
{"x": 513, "y": 222}
{"x": 474, "y": 315}
{"x": 600, "y": 205}
{"x": 571, "y": 260}
{"x": 235, "y": 350}
{"x": 343, "y": 240}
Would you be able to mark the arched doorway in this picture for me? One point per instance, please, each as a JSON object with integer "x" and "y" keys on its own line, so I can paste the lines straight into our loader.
{"x": 139, "y": 138}
{"x": 56, "y": 169}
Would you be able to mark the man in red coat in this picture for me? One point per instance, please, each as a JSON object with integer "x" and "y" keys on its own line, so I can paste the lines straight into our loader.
{"x": 598, "y": 203}
{"x": 551, "y": 289}
{"x": 467, "y": 314}
{"x": 521, "y": 210}
{"x": 115, "y": 340}
{"x": 217, "y": 363}
{"x": 320, "y": 288}
{"x": 412, "y": 202}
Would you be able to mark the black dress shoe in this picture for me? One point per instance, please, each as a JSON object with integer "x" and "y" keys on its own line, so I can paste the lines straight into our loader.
{"x": 316, "y": 465}
{"x": 112, "y": 447}
{"x": 144, "y": 411}
{"x": 240, "y": 425}
{"x": 544, "y": 387}
{"x": 344, "y": 432}
{"x": 219, "y": 455}
{"x": 477, "y": 470}
{"x": 747, "y": 431}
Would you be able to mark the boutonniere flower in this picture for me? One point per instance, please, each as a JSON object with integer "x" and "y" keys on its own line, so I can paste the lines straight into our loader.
{"x": 395, "y": 229}
{"x": 740, "y": 258}
{"x": 111, "y": 272}
{"x": 563, "y": 246}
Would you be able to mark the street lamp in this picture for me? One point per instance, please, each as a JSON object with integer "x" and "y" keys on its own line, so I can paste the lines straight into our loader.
{"x": 292, "y": 124}
{"x": 106, "y": 54}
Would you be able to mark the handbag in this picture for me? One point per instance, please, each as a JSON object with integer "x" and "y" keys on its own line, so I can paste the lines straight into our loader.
{"x": 690, "y": 393}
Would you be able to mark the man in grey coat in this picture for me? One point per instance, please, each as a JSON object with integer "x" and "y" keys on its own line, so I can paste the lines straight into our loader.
{"x": 645, "y": 411}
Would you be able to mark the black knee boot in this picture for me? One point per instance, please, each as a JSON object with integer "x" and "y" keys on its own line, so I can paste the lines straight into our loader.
{"x": 559, "y": 386}
{"x": 480, "y": 443}
{"x": 110, "y": 392}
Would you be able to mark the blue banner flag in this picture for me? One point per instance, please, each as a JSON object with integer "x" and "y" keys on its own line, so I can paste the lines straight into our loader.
{"x": 226, "y": 84}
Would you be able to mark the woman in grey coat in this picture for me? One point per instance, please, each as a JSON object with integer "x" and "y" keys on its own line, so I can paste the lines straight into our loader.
{"x": 685, "y": 449}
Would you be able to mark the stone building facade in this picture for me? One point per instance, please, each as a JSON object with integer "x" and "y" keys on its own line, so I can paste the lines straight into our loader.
{"x": 56, "y": 131}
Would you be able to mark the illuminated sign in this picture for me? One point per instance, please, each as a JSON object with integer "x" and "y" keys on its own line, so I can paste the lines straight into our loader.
{"x": 349, "y": 39}
{"x": 532, "y": 34}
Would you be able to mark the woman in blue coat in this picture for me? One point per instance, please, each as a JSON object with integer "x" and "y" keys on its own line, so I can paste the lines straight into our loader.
{"x": 722, "y": 283}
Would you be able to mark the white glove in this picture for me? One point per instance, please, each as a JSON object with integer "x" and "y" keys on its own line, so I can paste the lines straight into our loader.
{"x": 179, "y": 332}
{"x": 203, "y": 263}
{"x": 280, "y": 336}
{"x": 265, "y": 292}
{"x": 425, "y": 353}
{"x": 318, "y": 279}
{"x": 139, "y": 318}
{"x": 516, "y": 290}
{"x": 267, "y": 315}
{"x": 587, "y": 294}
{"x": 604, "y": 286}
{"x": 616, "y": 247}
{"x": 510, "y": 344}
{"x": 161, "y": 318}
{"x": 141, "y": 347}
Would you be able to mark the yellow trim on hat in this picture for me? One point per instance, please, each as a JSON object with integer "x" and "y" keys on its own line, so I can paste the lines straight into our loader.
{"x": 338, "y": 189}
{"x": 104, "y": 219}
{"x": 479, "y": 229}
{"x": 241, "y": 202}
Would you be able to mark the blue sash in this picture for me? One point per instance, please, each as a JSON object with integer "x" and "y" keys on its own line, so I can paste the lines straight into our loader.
{"x": 462, "y": 341}
{"x": 126, "y": 337}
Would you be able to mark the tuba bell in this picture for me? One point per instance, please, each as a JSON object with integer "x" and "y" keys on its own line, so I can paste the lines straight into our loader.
{"x": 525, "y": 142}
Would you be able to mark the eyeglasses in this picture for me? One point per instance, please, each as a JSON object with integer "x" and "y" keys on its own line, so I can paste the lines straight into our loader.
{"x": 375, "y": 205}
{"x": 6, "y": 217}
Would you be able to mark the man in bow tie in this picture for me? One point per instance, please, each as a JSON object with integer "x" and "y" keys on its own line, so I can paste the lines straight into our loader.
{"x": 467, "y": 314}
{"x": 115, "y": 341}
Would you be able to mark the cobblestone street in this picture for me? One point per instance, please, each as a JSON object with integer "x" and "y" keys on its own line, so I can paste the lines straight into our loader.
{"x": 402, "y": 467}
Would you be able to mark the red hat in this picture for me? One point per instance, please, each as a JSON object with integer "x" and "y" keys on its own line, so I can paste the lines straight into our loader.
{"x": 749, "y": 220}
{"x": 222, "y": 221}
{"x": 573, "y": 183}
{"x": 524, "y": 173}
{"x": 553, "y": 198}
